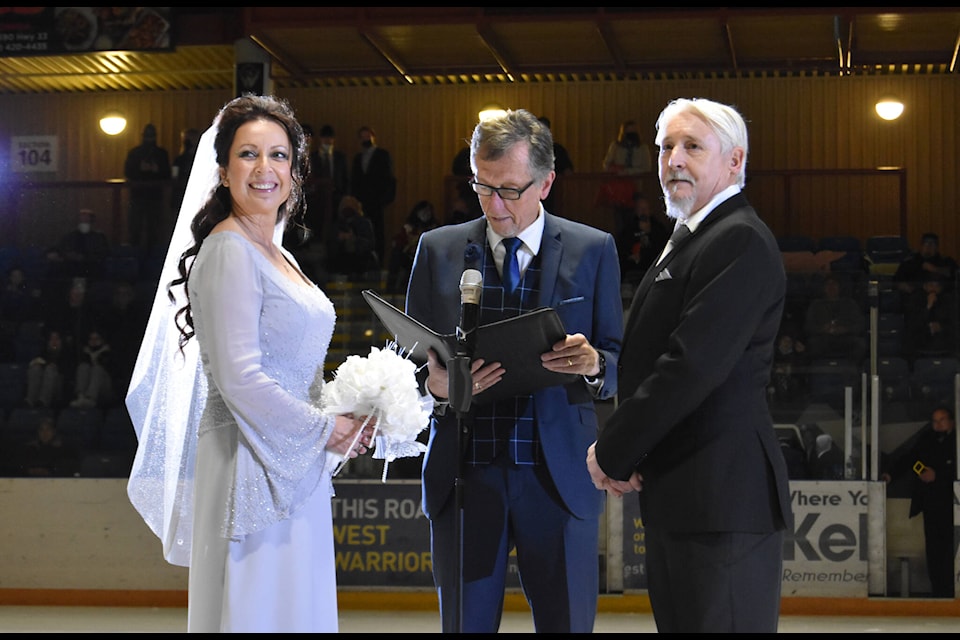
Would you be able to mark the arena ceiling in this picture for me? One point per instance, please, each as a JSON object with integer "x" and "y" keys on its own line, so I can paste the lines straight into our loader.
{"x": 381, "y": 46}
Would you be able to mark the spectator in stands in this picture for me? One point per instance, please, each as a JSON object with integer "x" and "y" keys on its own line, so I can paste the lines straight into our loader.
{"x": 470, "y": 202}
{"x": 351, "y": 246}
{"x": 461, "y": 164}
{"x": 626, "y": 158}
{"x": 48, "y": 455}
{"x": 795, "y": 456}
{"x": 309, "y": 225}
{"x": 460, "y": 211}
{"x": 628, "y": 154}
{"x": 826, "y": 462}
{"x": 932, "y": 462}
{"x": 182, "y": 165}
{"x": 835, "y": 325}
{"x": 374, "y": 184}
{"x": 94, "y": 374}
{"x": 124, "y": 320}
{"x": 73, "y": 315}
{"x": 930, "y": 320}
{"x": 563, "y": 166}
{"x": 333, "y": 170}
{"x": 422, "y": 217}
{"x": 146, "y": 167}
{"x": 913, "y": 271}
{"x": 788, "y": 380}
{"x": 640, "y": 243}
{"x": 19, "y": 300}
{"x": 562, "y": 163}
{"x": 82, "y": 251}
{"x": 47, "y": 371}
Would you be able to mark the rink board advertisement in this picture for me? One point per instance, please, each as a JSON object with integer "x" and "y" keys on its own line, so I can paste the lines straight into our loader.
{"x": 381, "y": 536}
{"x": 824, "y": 556}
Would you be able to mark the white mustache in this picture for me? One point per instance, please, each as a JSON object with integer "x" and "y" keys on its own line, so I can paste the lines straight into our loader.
{"x": 680, "y": 175}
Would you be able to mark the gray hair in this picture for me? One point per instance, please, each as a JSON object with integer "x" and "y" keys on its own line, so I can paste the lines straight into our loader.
{"x": 724, "y": 120}
{"x": 494, "y": 137}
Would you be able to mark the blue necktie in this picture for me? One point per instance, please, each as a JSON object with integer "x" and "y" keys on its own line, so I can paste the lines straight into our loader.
{"x": 511, "y": 267}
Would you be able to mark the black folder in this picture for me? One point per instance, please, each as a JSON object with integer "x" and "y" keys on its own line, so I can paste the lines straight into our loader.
{"x": 516, "y": 343}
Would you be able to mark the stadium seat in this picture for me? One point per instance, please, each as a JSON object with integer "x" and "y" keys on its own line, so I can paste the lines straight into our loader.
{"x": 894, "y": 373}
{"x": 933, "y": 379}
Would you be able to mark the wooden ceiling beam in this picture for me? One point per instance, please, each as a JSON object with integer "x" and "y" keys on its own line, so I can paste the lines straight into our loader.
{"x": 276, "y": 52}
{"x": 492, "y": 42}
{"x": 727, "y": 34}
{"x": 610, "y": 42}
{"x": 388, "y": 54}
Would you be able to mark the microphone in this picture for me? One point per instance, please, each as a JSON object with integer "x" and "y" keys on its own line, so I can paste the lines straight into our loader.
{"x": 471, "y": 286}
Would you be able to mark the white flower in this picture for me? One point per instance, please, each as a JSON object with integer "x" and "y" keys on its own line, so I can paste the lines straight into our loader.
{"x": 383, "y": 386}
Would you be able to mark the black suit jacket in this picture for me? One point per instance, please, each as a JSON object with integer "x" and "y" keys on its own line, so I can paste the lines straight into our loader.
{"x": 376, "y": 187}
{"x": 339, "y": 178}
{"x": 693, "y": 416}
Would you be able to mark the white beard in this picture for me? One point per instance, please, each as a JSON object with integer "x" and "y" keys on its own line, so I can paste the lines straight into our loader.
{"x": 679, "y": 208}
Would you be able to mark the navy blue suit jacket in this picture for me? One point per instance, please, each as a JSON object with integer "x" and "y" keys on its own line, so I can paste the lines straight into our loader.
{"x": 580, "y": 278}
{"x": 693, "y": 416}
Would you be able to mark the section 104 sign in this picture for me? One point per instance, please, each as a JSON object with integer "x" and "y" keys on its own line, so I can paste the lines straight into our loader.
{"x": 32, "y": 154}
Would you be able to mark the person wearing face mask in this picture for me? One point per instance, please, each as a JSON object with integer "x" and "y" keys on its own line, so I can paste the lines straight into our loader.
{"x": 422, "y": 218}
{"x": 373, "y": 182}
{"x": 81, "y": 251}
{"x": 628, "y": 155}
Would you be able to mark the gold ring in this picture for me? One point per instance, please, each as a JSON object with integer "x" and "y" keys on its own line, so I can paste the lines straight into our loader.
{"x": 569, "y": 362}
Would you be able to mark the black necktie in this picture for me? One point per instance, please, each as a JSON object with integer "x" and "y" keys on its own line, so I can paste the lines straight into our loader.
{"x": 679, "y": 235}
{"x": 511, "y": 266}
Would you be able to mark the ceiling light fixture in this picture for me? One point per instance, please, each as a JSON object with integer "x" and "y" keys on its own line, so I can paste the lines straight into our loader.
{"x": 113, "y": 123}
{"x": 491, "y": 110}
{"x": 889, "y": 108}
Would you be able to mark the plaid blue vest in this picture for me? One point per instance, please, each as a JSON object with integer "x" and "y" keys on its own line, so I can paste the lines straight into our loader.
{"x": 506, "y": 426}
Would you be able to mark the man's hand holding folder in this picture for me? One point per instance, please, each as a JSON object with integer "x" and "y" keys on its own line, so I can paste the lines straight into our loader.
{"x": 515, "y": 343}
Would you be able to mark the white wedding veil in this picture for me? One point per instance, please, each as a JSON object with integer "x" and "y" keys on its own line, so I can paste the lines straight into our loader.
{"x": 168, "y": 390}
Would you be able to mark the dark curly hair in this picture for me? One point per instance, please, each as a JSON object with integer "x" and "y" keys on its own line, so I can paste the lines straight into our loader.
{"x": 217, "y": 206}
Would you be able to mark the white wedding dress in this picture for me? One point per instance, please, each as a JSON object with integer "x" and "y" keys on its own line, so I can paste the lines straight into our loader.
{"x": 262, "y": 558}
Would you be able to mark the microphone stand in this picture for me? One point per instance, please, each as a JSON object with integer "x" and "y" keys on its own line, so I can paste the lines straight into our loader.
{"x": 460, "y": 393}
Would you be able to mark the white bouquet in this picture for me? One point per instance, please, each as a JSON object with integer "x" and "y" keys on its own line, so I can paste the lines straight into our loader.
{"x": 382, "y": 386}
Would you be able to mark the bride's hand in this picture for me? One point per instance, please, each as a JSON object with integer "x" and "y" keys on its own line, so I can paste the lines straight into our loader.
{"x": 344, "y": 436}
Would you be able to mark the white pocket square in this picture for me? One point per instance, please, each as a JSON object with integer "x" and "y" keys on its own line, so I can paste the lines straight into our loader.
{"x": 664, "y": 275}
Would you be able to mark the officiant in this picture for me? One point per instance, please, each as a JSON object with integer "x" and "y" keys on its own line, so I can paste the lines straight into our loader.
{"x": 525, "y": 481}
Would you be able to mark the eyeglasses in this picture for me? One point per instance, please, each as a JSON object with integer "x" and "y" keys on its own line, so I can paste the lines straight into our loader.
{"x": 505, "y": 193}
